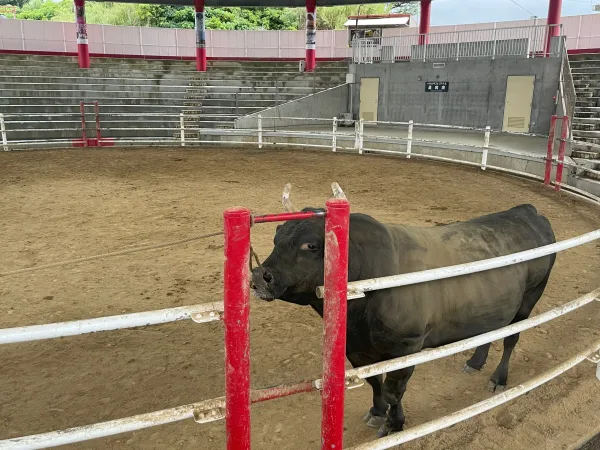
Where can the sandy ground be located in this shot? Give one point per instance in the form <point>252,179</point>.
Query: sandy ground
<point>58,205</point>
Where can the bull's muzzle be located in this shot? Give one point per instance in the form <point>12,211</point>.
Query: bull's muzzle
<point>262,283</point>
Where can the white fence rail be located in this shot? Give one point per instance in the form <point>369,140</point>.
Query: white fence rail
<point>206,312</point>
<point>525,42</point>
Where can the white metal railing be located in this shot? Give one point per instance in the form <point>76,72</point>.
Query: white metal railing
<point>325,133</point>
<point>209,312</point>
<point>526,42</point>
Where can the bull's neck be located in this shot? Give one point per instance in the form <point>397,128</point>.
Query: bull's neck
<point>317,305</point>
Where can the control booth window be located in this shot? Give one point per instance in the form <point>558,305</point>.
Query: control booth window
<point>362,33</point>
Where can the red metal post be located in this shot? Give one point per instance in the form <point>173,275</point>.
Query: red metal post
<point>549,153</point>
<point>237,328</point>
<point>424,21</point>
<point>564,130</point>
<point>200,36</point>
<point>97,113</point>
<point>554,9</point>
<point>311,34</point>
<point>83,53</point>
<point>83,132</point>
<point>337,223</point>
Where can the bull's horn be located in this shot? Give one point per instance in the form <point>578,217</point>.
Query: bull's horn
<point>285,199</point>
<point>337,191</point>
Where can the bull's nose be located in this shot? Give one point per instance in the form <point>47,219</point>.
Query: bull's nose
<point>267,276</point>
<point>261,277</point>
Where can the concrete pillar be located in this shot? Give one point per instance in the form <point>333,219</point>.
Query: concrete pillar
<point>424,21</point>
<point>554,8</point>
<point>200,36</point>
<point>83,53</point>
<point>311,34</point>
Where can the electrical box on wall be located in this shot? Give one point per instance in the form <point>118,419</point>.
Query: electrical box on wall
<point>346,120</point>
<point>350,78</point>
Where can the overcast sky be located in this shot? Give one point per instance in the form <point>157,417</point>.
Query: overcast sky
<point>456,12</point>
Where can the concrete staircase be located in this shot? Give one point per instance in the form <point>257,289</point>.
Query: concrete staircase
<point>40,94</point>
<point>233,89</point>
<point>585,69</point>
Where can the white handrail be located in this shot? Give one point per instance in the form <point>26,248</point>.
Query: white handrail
<point>112,427</point>
<point>478,408</point>
<point>204,312</point>
<point>141,421</point>
<point>358,288</point>
<point>466,344</point>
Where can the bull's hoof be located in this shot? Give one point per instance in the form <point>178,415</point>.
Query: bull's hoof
<point>494,386</point>
<point>374,421</point>
<point>470,370</point>
<point>386,430</point>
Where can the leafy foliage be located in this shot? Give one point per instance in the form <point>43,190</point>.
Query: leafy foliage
<point>167,16</point>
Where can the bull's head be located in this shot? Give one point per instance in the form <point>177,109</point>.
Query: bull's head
<point>294,269</point>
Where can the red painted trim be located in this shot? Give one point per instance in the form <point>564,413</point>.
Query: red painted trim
<point>237,328</point>
<point>550,150</point>
<point>93,142</point>
<point>337,225</point>
<point>424,21</point>
<point>581,51</point>
<point>564,131</point>
<point>177,58</point>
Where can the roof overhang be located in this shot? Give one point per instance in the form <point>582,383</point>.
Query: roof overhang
<point>250,3</point>
<point>388,22</point>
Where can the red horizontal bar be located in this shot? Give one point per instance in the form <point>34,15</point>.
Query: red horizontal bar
<point>284,390</point>
<point>282,217</point>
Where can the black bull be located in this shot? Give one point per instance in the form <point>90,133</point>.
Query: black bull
<point>395,322</point>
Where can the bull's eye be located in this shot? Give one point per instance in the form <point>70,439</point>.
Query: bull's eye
<point>309,246</point>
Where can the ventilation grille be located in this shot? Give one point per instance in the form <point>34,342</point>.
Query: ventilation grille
<point>516,122</point>
<point>368,116</point>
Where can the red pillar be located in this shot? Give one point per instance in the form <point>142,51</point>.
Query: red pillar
<point>554,9</point>
<point>337,223</point>
<point>311,34</point>
<point>424,21</point>
<point>200,36</point>
<point>237,328</point>
<point>83,53</point>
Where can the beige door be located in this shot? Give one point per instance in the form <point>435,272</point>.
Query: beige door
<point>517,106</point>
<point>369,98</point>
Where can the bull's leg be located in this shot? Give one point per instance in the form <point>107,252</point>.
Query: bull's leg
<point>394,388</point>
<point>498,381</point>
<point>376,416</point>
<point>478,359</point>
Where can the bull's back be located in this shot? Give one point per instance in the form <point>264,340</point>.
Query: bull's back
<point>464,306</point>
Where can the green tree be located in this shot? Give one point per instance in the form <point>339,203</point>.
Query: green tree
<point>220,18</point>
<point>407,7</point>
<point>17,3</point>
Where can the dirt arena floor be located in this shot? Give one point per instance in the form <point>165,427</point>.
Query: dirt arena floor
<point>59,205</point>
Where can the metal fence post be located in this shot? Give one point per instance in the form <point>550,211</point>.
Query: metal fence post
<point>83,126</point>
<point>548,171</point>
<point>3,130</point>
<point>561,152</point>
<point>237,328</point>
<point>409,139</point>
<point>361,134</point>
<point>337,223</point>
<point>333,135</point>
<point>97,114</point>
<point>260,131</point>
<point>486,144</point>
<point>182,129</point>
<point>356,135</point>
